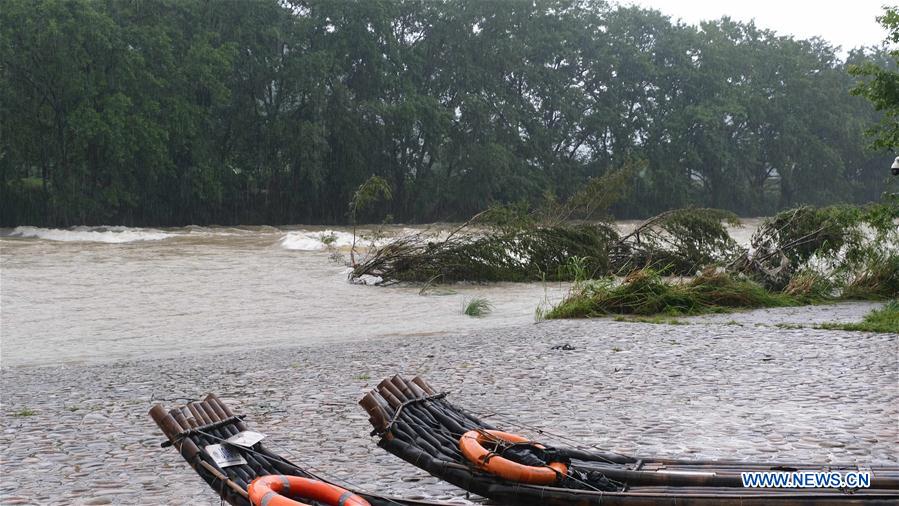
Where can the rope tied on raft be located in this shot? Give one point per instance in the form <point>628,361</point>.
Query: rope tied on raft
<point>529,453</point>
<point>441,417</point>
<point>281,460</point>
<point>201,429</point>
<point>399,410</point>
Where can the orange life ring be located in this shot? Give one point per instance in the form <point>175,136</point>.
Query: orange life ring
<point>472,445</point>
<point>272,490</point>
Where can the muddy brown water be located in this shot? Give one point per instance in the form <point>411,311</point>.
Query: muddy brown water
<point>93,294</point>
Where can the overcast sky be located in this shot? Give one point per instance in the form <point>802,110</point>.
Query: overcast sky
<point>848,24</point>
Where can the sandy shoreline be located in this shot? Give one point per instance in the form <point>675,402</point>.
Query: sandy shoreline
<point>720,387</point>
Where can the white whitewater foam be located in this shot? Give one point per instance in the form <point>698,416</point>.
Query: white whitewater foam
<point>92,234</point>
<point>368,279</point>
<point>317,240</point>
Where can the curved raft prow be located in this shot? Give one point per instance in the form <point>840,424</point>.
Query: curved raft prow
<point>195,427</point>
<point>417,424</point>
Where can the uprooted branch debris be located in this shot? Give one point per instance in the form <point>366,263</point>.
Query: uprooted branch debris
<point>805,253</point>
<point>525,255</point>
<point>838,243</point>
<point>678,242</point>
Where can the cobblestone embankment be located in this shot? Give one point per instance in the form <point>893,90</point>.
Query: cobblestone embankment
<point>721,387</point>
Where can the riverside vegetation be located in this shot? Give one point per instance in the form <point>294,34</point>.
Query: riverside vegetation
<point>681,262</point>
<point>885,319</point>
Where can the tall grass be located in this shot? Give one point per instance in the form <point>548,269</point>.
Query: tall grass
<point>877,279</point>
<point>885,319</point>
<point>477,306</point>
<point>645,292</point>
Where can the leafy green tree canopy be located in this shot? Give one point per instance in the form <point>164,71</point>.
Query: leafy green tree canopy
<point>881,86</point>
<point>172,112</point>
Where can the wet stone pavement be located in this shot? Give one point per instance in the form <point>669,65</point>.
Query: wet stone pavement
<point>722,387</point>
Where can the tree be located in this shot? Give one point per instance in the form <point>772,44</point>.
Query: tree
<point>171,112</point>
<point>881,86</point>
<point>369,192</point>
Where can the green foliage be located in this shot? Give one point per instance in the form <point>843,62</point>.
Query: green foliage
<point>806,231</point>
<point>594,200</point>
<point>163,112</point>
<point>836,242</point>
<point>880,85</point>
<point>645,292</point>
<point>576,270</point>
<point>23,200</point>
<point>805,255</point>
<point>519,249</point>
<point>24,412</point>
<point>681,241</point>
<point>878,278</point>
<point>885,319</point>
<point>371,191</point>
<point>536,254</point>
<point>508,218</point>
<point>718,289</point>
<point>810,285</point>
<point>375,188</point>
<point>328,240</point>
<point>477,306</point>
<point>842,251</point>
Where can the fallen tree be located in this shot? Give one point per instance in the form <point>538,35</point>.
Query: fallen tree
<point>806,254</point>
<point>845,245</point>
<point>678,242</point>
<point>800,256</point>
<point>511,242</point>
<point>523,255</point>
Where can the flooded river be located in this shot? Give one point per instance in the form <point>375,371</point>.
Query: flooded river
<point>105,294</point>
<point>94,294</point>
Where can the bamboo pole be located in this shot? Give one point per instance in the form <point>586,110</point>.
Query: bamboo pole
<point>171,427</point>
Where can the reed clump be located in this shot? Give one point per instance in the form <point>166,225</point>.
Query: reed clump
<point>646,292</point>
<point>477,306</point>
<point>810,285</point>
<point>877,279</point>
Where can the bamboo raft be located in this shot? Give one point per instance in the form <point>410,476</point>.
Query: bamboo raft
<point>417,424</point>
<point>194,426</point>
